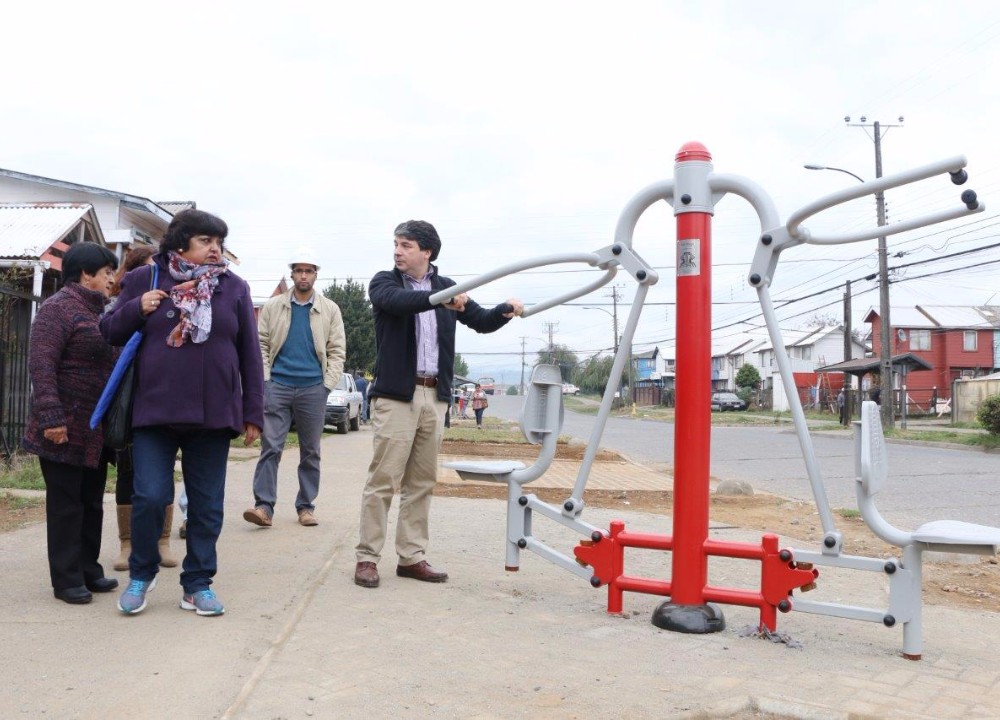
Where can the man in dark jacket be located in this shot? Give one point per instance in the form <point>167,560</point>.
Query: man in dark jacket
<point>415,361</point>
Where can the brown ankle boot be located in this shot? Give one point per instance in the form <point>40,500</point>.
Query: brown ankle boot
<point>167,558</point>
<point>125,536</point>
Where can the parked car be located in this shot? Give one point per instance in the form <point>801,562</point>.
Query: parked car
<point>570,389</point>
<point>727,401</point>
<point>488,385</point>
<point>343,406</point>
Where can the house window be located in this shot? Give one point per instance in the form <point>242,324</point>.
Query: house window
<point>920,339</point>
<point>970,340</point>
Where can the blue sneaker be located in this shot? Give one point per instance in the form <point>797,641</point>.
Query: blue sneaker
<point>203,602</point>
<point>133,600</point>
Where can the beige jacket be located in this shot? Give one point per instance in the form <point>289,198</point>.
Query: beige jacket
<point>327,327</point>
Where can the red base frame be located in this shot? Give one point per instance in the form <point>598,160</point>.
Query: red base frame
<point>780,574</point>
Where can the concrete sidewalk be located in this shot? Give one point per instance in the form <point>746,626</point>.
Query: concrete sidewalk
<point>299,639</point>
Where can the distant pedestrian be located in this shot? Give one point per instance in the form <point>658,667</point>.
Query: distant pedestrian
<point>842,406</point>
<point>479,404</point>
<point>362,385</point>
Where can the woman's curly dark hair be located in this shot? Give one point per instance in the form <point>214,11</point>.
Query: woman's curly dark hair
<point>188,223</point>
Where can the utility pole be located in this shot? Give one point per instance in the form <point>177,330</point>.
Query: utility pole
<point>885,334</point>
<point>551,328</point>
<point>523,340</point>
<point>614,315</point>
<point>848,346</point>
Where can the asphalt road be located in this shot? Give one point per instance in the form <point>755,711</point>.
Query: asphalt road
<point>926,483</point>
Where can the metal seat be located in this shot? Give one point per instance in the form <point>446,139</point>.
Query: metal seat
<point>949,536</point>
<point>541,421</point>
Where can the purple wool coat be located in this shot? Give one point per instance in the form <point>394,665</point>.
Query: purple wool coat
<point>69,363</point>
<point>214,385</point>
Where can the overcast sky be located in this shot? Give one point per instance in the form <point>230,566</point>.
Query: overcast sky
<point>520,129</point>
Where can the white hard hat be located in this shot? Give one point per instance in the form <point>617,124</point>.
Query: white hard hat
<point>303,256</point>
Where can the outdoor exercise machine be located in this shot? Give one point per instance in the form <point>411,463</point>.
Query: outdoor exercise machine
<point>693,193</point>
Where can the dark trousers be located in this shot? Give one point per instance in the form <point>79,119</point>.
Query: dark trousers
<point>74,514</point>
<point>479,415</point>
<point>203,463</point>
<point>123,486</point>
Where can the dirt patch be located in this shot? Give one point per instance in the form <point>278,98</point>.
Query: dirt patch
<point>971,584</point>
<point>16,512</point>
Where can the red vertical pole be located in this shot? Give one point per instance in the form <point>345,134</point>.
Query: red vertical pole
<point>688,610</point>
<point>693,419</point>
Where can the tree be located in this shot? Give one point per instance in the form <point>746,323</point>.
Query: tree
<point>822,320</point>
<point>359,325</point>
<point>561,356</point>
<point>592,376</point>
<point>461,367</point>
<point>747,377</point>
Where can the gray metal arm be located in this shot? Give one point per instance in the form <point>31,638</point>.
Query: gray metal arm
<point>873,187</point>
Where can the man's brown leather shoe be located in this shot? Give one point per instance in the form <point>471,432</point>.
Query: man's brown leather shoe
<point>366,575</point>
<point>421,571</point>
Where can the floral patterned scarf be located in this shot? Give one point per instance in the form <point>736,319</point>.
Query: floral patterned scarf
<point>192,296</point>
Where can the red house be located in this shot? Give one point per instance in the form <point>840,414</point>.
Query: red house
<point>958,341</point>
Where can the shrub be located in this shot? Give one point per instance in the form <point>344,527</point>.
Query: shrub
<point>748,376</point>
<point>512,390</point>
<point>989,414</point>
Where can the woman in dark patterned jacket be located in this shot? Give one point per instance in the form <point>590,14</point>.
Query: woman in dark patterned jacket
<point>69,364</point>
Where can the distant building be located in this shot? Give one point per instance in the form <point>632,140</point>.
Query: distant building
<point>263,290</point>
<point>957,341</point>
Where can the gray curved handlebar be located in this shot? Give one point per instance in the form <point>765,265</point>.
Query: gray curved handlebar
<point>873,187</point>
<point>592,259</point>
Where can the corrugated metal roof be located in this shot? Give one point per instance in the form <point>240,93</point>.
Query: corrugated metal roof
<point>28,229</point>
<point>140,203</point>
<point>909,317</point>
<point>175,206</point>
<point>735,345</point>
<point>954,316</point>
<point>796,338</point>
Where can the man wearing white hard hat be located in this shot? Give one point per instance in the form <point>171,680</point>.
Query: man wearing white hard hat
<point>304,347</point>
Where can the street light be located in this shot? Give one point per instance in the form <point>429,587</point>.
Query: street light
<point>827,167</point>
<point>885,339</point>
<point>614,320</point>
<point>614,327</point>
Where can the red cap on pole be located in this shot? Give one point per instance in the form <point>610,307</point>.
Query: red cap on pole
<point>693,151</point>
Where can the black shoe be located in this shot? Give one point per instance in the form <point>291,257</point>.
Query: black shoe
<point>75,595</point>
<point>104,584</point>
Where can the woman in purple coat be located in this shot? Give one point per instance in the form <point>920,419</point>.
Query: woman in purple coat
<point>70,363</point>
<point>199,384</point>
